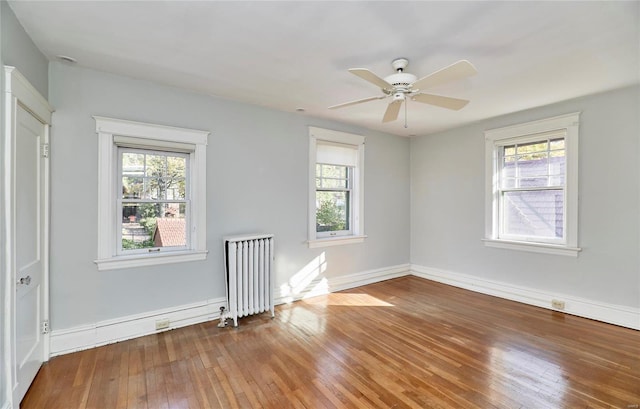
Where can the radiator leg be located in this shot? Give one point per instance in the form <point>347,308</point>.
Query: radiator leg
<point>223,319</point>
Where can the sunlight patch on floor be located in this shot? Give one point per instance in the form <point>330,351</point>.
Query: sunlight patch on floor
<point>309,284</point>
<point>515,370</point>
<point>349,299</point>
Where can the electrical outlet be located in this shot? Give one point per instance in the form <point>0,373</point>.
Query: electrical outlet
<point>162,324</point>
<point>557,304</point>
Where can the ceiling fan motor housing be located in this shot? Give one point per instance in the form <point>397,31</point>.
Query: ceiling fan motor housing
<point>401,79</point>
<point>402,85</point>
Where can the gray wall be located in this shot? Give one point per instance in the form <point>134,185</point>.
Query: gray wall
<point>19,51</point>
<point>16,49</point>
<point>447,204</point>
<point>256,182</point>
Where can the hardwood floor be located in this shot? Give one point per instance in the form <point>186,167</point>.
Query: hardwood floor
<point>403,343</point>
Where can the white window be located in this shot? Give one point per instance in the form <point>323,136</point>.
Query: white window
<point>155,205</point>
<point>151,194</point>
<point>532,186</point>
<point>335,188</point>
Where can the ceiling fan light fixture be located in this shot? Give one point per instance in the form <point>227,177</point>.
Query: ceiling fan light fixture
<point>399,96</point>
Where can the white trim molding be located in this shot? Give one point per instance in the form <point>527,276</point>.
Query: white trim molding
<point>18,86</point>
<point>566,125</point>
<point>623,316</point>
<point>109,331</point>
<point>356,233</point>
<point>533,247</point>
<point>123,328</point>
<point>110,131</point>
<point>321,285</point>
<point>336,241</point>
<point>119,329</point>
<point>19,93</point>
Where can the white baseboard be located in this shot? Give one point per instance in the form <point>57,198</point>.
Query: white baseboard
<point>322,285</point>
<point>106,332</point>
<point>132,326</point>
<point>120,329</point>
<point>610,313</point>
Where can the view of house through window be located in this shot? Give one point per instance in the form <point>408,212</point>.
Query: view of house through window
<point>333,198</point>
<point>532,181</point>
<point>154,202</point>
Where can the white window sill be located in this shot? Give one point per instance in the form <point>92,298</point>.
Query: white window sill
<point>533,247</point>
<point>335,241</point>
<point>142,260</point>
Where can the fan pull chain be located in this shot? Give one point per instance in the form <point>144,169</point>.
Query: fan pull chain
<point>405,113</point>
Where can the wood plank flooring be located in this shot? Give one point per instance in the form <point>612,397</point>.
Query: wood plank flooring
<point>403,343</point>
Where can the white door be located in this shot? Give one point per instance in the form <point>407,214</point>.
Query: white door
<point>29,250</point>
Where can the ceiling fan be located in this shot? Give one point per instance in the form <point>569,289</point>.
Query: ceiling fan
<point>402,85</point>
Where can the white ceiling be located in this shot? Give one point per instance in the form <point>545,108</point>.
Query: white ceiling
<point>288,55</point>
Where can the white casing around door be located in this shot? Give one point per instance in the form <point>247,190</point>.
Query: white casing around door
<point>26,217</point>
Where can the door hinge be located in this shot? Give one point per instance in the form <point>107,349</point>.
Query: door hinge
<point>45,150</point>
<point>45,326</point>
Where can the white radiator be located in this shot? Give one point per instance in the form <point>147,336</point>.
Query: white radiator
<point>249,273</point>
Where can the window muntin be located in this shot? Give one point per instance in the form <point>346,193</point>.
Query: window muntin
<point>533,166</point>
<point>117,134</point>
<point>531,189</point>
<point>154,201</point>
<point>336,188</point>
<point>333,200</point>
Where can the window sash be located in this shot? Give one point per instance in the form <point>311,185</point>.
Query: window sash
<point>355,145</point>
<point>538,238</point>
<point>550,170</point>
<point>517,177</point>
<point>348,191</point>
<point>347,179</point>
<point>565,126</point>
<point>120,200</point>
<point>148,136</point>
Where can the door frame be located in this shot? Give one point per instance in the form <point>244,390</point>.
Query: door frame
<point>19,92</point>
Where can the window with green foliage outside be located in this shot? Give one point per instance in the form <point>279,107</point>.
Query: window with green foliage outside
<point>154,202</point>
<point>336,194</point>
<point>333,198</point>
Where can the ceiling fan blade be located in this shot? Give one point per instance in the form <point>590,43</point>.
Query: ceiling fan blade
<point>367,75</point>
<point>391,113</point>
<point>358,101</point>
<point>455,71</point>
<point>438,100</point>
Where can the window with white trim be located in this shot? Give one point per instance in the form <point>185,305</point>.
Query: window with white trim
<point>151,194</point>
<point>155,204</point>
<point>336,188</point>
<point>532,186</point>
